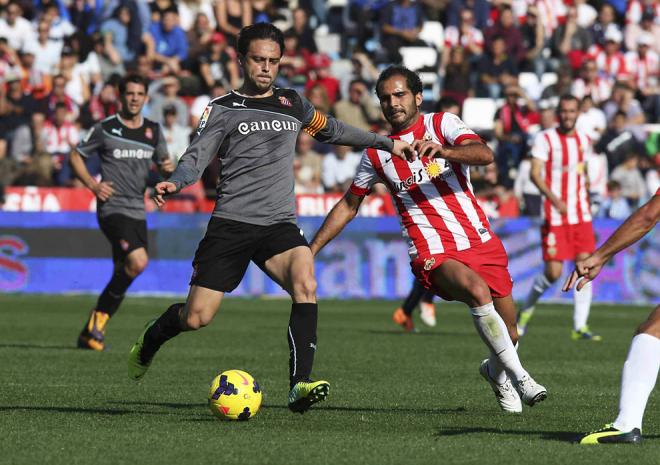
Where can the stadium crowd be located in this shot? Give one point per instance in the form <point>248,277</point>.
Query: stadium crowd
<point>502,63</point>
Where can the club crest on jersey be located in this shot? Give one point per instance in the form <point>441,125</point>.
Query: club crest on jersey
<point>427,137</point>
<point>204,119</point>
<point>285,101</point>
<point>148,133</point>
<point>428,263</point>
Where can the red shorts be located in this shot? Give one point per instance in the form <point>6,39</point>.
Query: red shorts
<point>489,260</point>
<point>567,241</point>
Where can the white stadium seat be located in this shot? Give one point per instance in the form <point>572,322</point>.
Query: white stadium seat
<point>415,58</point>
<point>479,113</point>
<point>433,33</point>
<point>530,84</point>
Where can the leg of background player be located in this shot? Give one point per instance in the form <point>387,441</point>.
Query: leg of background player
<point>403,315</point>
<point>551,273</point>
<point>294,271</point>
<point>427,308</point>
<point>582,303</point>
<point>124,273</point>
<point>640,372</point>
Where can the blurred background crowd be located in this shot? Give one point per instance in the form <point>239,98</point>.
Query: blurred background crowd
<point>500,64</point>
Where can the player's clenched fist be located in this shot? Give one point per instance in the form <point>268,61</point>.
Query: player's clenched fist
<point>162,189</point>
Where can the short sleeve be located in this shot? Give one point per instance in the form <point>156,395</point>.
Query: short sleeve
<point>160,153</point>
<point>365,177</point>
<point>92,142</point>
<point>454,130</point>
<point>540,148</point>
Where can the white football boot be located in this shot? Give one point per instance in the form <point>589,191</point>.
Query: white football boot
<point>530,391</point>
<point>427,313</point>
<point>506,395</point>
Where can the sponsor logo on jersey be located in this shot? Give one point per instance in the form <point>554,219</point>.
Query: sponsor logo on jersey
<point>285,101</point>
<point>148,133</point>
<point>116,131</point>
<point>139,154</point>
<point>203,120</point>
<point>416,178</point>
<point>246,127</point>
<point>433,169</point>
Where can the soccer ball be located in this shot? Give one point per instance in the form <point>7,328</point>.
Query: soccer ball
<point>234,395</point>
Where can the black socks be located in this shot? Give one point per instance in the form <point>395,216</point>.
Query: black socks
<point>301,335</point>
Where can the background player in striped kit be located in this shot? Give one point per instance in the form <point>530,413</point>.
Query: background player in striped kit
<point>127,145</point>
<point>559,170</point>
<point>452,248</point>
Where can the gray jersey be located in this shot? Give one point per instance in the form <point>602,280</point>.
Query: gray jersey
<point>126,158</point>
<point>255,140</point>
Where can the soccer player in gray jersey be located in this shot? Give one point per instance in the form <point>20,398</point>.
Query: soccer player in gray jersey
<point>128,145</point>
<point>253,132</point>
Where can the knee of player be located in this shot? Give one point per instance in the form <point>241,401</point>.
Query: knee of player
<point>553,275</point>
<point>652,325</point>
<point>137,266</point>
<point>305,288</point>
<point>479,291</point>
<point>196,321</point>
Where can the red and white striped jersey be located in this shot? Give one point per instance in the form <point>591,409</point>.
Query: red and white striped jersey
<point>599,90</point>
<point>643,70</point>
<point>60,140</point>
<point>635,10</point>
<point>565,160</point>
<point>610,66</point>
<point>434,197</point>
<point>551,12</point>
<point>454,38</point>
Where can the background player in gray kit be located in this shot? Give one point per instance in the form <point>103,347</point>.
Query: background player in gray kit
<point>253,131</point>
<point>127,144</point>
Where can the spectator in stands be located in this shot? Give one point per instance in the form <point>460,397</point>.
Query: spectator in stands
<point>319,66</point>
<point>400,23</point>
<point>589,83</point>
<point>302,30</point>
<point>307,166</point>
<point>449,105</point>
<point>17,30</point>
<point>359,109</point>
<point>265,11</point>
<point>623,100</point>
<point>219,64</point>
<point>339,168</point>
<point>606,18</point>
<point>16,110</point>
<point>115,33</point>
<point>591,120</point>
<point>615,206</point>
<point>617,141</point>
<point>627,174</point>
<point>293,64</point>
<point>199,104</point>
<point>58,138</point>
<point>168,97</point>
<point>318,96</point>
<point>80,77</point>
<point>232,16</point>
<point>480,10</point>
<point>465,35</point>
<point>653,175</point>
<point>159,8</point>
<point>496,70</point>
<point>176,136</point>
<point>533,41</point>
<point>33,81</point>
<point>647,25</point>
<point>609,59</point>
<point>506,28</point>
<point>512,123</point>
<point>60,26</point>
<point>57,95</point>
<point>100,106</point>
<point>199,40</point>
<point>363,68</point>
<point>171,45</point>
<point>46,51</point>
<point>643,66</point>
<point>458,80</point>
<point>561,87</point>
<point>570,41</point>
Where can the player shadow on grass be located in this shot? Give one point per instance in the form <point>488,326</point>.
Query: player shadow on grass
<point>93,411</point>
<point>561,436</point>
<point>18,345</point>
<point>398,332</point>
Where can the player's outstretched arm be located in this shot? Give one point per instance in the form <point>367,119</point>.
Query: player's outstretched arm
<point>103,190</point>
<point>632,230</point>
<point>468,151</point>
<point>340,215</point>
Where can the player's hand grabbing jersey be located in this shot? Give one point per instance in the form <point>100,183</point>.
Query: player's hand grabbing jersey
<point>565,160</point>
<point>255,141</point>
<point>126,158</point>
<point>434,197</point>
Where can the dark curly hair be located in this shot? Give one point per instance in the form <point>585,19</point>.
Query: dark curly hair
<point>412,79</point>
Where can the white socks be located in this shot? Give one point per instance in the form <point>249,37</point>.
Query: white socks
<point>496,369</point>
<point>637,381</point>
<point>582,302</point>
<point>493,332</point>
<point>541,284</point>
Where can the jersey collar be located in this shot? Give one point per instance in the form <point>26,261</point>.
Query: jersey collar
<point>415,128</point>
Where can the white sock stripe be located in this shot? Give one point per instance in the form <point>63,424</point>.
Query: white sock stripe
<point>295,357</point>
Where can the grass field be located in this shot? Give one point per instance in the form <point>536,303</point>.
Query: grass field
<point>395,398</point>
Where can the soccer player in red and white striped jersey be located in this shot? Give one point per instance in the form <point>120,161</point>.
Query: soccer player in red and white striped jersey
<point>452,248</point>
<point>559,170</point>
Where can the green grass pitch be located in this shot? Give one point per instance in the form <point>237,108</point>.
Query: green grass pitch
<point>395,398</point>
